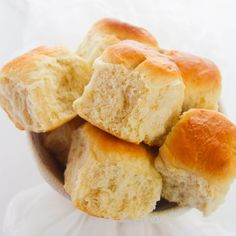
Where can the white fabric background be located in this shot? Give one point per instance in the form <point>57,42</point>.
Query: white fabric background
<point>26,216</point>
<point>206,28</point>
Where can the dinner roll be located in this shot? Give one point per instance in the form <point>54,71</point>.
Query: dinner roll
<point>135,93</point>
<point>110,31</point>
<point>110,178</point>
<point>198,160</point>
<point>37,89</point>
<point>58,141</point>
<point>202,80</point>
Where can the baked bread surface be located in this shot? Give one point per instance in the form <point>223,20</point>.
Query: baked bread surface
<point>110,178</point>
<point>202,80</point>
<point>107,32</point>
<point>58,141</point>
<point>135,93</point>
<point>38,88</point>
<point>198,160</point>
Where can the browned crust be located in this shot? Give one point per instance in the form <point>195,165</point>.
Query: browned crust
<point>27,60</point>
<point>132,53</point>
<point>109,143</point>
<point>196,71</point>
<point>125,31</point>
<point>203,141</point>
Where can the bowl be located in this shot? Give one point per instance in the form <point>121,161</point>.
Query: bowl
<point>53,173</point>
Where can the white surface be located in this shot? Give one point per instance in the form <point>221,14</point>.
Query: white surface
<point>206,28</point>
<point>61,221</point>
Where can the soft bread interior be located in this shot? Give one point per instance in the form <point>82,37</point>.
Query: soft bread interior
<point>188,189</point>
<point>124,103</point>
<point>110,184</point>
<point>201,99</point>
<point>58,141</point>
<point>40,99</point>
<point>94,45</point>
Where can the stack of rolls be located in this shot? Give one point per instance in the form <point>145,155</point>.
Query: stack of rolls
<point>131,123</point>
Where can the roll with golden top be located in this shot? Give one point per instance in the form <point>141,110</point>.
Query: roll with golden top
<point>107,32</point>
<point>111,178</point>
<point>202,80</point>
<point>38,88</point>
<point>135,93</point>
<point>198,160</point>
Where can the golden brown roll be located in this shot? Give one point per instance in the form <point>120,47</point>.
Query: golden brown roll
<point>107,32</point>
<point>58,141</point>
<point>110,178</point>
<point>135,93</point>
<point>198,160</point>
<point>37,89</point>
<point>202,80</point>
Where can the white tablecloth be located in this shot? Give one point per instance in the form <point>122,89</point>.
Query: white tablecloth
<point>206,28</point>
<point>42,212</point>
